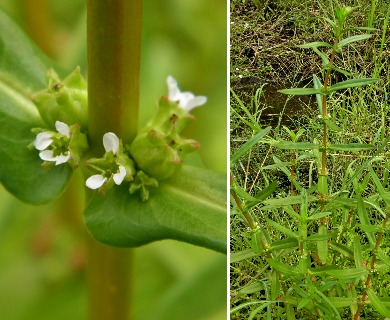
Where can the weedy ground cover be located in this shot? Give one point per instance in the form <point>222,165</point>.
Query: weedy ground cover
<point>310,197</point>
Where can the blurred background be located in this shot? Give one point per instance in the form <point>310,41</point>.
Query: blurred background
<point>42,258</point>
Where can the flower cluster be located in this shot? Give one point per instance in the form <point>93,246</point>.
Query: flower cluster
<point>155,153</point>
<point>68,144</point>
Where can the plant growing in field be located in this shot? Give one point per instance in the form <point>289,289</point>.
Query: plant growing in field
<point>329,257</point>
<point>138,184</point>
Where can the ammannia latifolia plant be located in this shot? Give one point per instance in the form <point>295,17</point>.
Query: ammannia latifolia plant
<point>326,261</point>
<point>144,189</point>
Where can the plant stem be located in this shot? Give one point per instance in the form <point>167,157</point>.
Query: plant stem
<point>238,203</point>
<point>108,281</point>
<point>114,53</point>
<point>114,50</point>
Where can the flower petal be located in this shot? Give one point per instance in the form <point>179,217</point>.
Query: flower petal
<point>111,142</point>
<point>118,177</point>
<point>195,102</point>
<point>185,97</point>
<point>173,89</point>
<point>62,158</point>
<point>95,181</point>
<point>43,140</point>
<point>47,155</point>
<point>63,128</point>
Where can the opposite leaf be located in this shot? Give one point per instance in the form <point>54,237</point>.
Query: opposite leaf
<point>22,71</point>
<point>190,206</point>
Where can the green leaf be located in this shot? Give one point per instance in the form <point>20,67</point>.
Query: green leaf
<point>249,145</point>
<point>344,250</point>
<point>262,195</point>
<point>300,91</point>
<point>287,145</point>
<point>23,71</point>
<point>318,85</point>
<point>352,83</point>
<point>241,255</point>
<point>347,274</point>
<point>357,252</point>
<point>364,218</point>
<point>190,206</point>
<point>352,39</point>
<point>284,268</point>
<point>282,229</point>
<point>331,125</point>
<point>287,201</point>
<point>322,245</point>
<point>351,147</point>
<point>275,284</point>
<point>256,243</point>
<point>315,44</point>
<point>252,288</point>
<point>283,244</point>
<point>377,303</point>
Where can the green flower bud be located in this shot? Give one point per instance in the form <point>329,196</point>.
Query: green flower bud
<point>158,149</point>
<point>64,101</point>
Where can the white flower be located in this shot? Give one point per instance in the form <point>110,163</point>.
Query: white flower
<point>111,144</point>
<point>97,180</point>
<point>187,100</point>
<point>45,140</point>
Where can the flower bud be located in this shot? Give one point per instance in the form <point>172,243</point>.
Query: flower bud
<point>158,149</point>
<point>64,101</point>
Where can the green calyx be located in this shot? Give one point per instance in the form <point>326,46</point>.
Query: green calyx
<point>158,149</point>
<point>65,101</point>
<point>142,183</point>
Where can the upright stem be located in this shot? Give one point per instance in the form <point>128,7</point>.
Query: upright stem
<point>114,50</point>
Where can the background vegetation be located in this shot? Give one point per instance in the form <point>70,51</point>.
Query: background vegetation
<point>42,260</point>
<point>264,59</point>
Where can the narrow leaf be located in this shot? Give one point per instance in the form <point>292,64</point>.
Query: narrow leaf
<point>364,218</point>
<point>351,147</point>
<point>347,274</point>
<point>284,268</point>
<point>352,83</point>
<point>241,255</point>
<point>357,252</point>
<point>318,86</point>
<point>315,44</point>
<point>300,91</point>
<point>331,125</point>
<point>249,145</point>
<point>344,250</point>
<point>282,229</point>
<point>283,244</point>
<point>287,145</point>
<point>352,39</point>
<point>377,303</point>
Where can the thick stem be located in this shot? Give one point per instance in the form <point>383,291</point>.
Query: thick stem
<point>114,50</point>
<point>108,281</point>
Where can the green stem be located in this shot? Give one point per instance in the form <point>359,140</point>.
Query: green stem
<point>114,53</point>
<point>108,281</point>
<point>114,50</point>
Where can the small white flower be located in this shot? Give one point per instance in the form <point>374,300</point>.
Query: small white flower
<point>96,181</point>
<point>187,100</point>
<point>45,140</point>
<point>111,144</point>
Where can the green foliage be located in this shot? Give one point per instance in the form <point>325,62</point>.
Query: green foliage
<point>182,208</point>
<point>23,70</point>
<point>329,209</point>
